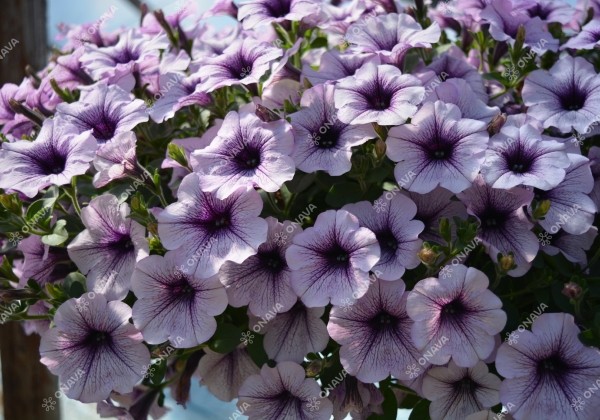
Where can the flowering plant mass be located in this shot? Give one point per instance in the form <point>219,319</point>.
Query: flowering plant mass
<point>323,209</point>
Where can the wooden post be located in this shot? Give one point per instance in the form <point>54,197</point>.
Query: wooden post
<point>25,381</point>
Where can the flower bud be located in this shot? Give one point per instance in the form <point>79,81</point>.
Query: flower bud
<point>571,290</point>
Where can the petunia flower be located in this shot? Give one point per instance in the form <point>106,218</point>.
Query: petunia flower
<point>173,304</point>
<point>224,374</point>
<point>573,247</point>
<point>378,93</point>
<point>548,10</point>
<point>247,152</point>
<point>330,261</point>
<point>116,159</point>
<point>504,20</point>
<point>291,335</point>
<point>244,62</point>
<point>375,334</point>
<point>452,65</point>
<point>257,13</point>
<point>41,262</point>
<point>520,155</point>
<point>391,220</point>
<point>587,39</point>
<point>94,349</point>
<point>503,226</point>
<point>58,154</point>
<point>455,392</point>
<point>391,35</point>
<point>263,281</point>
<point>431,207</point>
<point>134,53</point>
<point>283,392</point>
<point>106,110</point>
<point>209,231</point>
<point>459,92</point>
<point>548,370</point>
<point>321,140</point>
<point>355,398</point>
<point>108,249</point>
<point>460,312</point>
<point>566,97</point>
<point>176,92</point>
<point>336,65</point>
<point>439,147</point>
<point>571,208</point>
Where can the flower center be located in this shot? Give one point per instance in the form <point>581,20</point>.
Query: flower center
<point>183,289</point>
<point>454,309</point>
<point>383,321</point>
<point>439,149</point>
<point>573,99</point>
<point>123,244</point>
<point>338,256</point>
<point>379,97</point>
<point>248,158</point>
<point>272,261</point>
<point>278,8</point>
<point>553,365</point>
<point>387,240</point>
<point>104,129</point>
<point>53,164</point>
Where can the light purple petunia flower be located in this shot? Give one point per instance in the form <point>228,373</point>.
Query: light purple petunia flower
<point>455,392</point>
<point>58,154</point>
<point>452,65</point>
<point>108,249</point>
<point>224,374</point>
<point>12,123</point>
<point>247,152</point>
<point>283,392</point>
<point>378,93</point>
<point>547,10</point>
<point>459,312</point>
<point>331,260</point>
<point>107,110</point>
<point>175,305</point>
<point>587,39</point>
<point>255,13</point>
<point>355,398</point>
<point>459,92</point>
<point>571,208</point>
<point>133,54</point>
<point>263,281</point>
<point>244,62</point>
<point>439,147</point>
<point>520,155</point>
<point>566,97</point>
<point>431,207</point>
<point>505,19</point>
<point>573,247</point>
<point>391,35</point>
<point>548,370</point>
<point>503,227</point>
<point>293,334</point>
<point>175,92</point>
<point>336,65</point>
<point>94,349</point>
<point>391,220</point>
<point>41,262</point>
<point>209,231</point>
<point>116,159</point>
<point>321,140</point>
<point>375,334</point>
<point>594,157</point>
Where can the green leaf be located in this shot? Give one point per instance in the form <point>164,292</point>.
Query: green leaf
<point>421,411</point>
<point>226,339</point>
<point>257,351</point>
<point>319,43</point>
<point>58,236</point>
<point>345,193</point>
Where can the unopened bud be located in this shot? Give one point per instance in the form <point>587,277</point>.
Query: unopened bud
<point>571,290</point>
<point>428,256</point>
<point>314,368</point>
<point>506,262</point>
<point>496,124</point>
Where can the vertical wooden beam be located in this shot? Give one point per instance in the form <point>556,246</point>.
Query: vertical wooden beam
<point>25,381</point>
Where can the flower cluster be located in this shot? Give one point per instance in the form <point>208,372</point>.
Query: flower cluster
<point>329,208</point>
